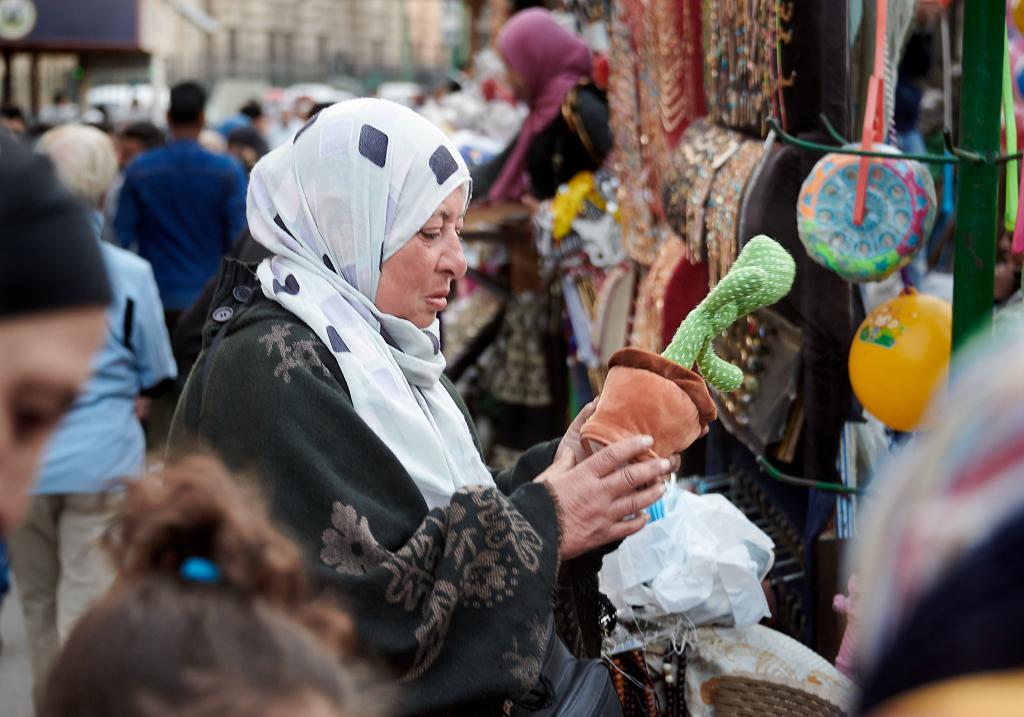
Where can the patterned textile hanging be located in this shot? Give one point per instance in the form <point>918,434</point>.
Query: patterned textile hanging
<point>655,91</point>
<point>676,39</point>
<point>630,160</point>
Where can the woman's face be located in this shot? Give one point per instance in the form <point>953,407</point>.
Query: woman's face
<point>416,280</point>
<point>45,359</point>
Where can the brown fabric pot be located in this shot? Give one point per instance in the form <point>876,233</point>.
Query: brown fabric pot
<point>647,394</point>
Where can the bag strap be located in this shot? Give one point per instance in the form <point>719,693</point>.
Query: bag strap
<point>128,323</point>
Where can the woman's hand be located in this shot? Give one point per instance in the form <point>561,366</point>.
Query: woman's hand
<point>571,440</point>
<point>596,495</point>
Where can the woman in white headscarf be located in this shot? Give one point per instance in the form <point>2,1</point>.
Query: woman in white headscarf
<point>322,373</point>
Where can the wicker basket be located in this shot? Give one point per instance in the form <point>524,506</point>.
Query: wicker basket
<point>744,695</point>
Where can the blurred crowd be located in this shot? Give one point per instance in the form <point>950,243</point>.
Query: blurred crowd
<point>111,235</point>
<point>115,234</point>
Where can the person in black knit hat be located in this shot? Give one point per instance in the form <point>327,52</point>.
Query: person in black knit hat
<point>53,295</point>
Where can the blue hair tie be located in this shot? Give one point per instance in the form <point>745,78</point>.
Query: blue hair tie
<point>199,570</point>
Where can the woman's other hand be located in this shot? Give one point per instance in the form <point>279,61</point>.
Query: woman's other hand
<point>571,440</point>
<point>597,495</point>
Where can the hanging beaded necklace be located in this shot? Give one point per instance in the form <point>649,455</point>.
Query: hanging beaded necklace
<point>742,59</point>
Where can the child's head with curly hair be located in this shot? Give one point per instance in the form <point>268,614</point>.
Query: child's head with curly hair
<point>211,614</point>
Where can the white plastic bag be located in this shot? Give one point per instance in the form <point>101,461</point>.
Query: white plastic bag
<point>704,559</point>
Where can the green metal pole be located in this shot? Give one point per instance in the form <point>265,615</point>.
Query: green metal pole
<point>977,219</point>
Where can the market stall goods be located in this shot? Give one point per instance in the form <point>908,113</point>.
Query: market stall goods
<point>762,275</point>
<point>899,212</point>
<point>578,237</point>
<point>631,157</point>
<point>714,671</point>
<point>900,356</point>
<point>742,44</point>
<point>660,395</point>
<point>650,299</point>
<point>724,203</point>
<point>756,670</point>
<point>645,393</point>
<point>612,310</point>
<point>701,153</point>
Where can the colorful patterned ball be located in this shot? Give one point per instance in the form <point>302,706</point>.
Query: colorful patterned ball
<point>900,357</point>
<point>1017,12</point>
<point>899,212</point>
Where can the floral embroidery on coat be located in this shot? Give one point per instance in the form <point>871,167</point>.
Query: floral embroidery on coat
<point>349,546</point>
<point>300,353</point>
<point>472,552</point>
<point>524,661</point>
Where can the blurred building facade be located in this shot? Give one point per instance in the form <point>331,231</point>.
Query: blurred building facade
<point>289,41</point>
<point>224,42</point>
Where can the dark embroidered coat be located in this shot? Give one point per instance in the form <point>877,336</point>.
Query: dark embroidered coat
<point>455,600</point>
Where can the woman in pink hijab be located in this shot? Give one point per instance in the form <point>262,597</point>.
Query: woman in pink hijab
<point>567,130</point>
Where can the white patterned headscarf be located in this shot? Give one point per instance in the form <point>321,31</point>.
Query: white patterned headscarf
<point>357,182</point>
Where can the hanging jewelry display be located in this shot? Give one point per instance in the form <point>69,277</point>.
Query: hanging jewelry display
<point>774,38</point>
<point>742,60</point>
<point>655,91</point>
<point>665,36</point>
<point>723,208</point>
<point>630,160</point>
<point>676,39</point>
<point>649,95</point>
<point>767,347</point>
<point>696,200</point>
<point>634,684</point>
<point>650,301</point>
<point>702,150</point>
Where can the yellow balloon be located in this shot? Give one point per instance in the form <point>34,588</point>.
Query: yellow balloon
<point>900,356</point>
<point>1018,14</point>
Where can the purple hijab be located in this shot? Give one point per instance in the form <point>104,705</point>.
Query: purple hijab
<point>550,60</point>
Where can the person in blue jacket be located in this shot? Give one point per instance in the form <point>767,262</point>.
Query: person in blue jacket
<point>181,207</point>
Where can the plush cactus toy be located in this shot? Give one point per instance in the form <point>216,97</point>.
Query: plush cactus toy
<point>762,274</point>
<point>660,396</point>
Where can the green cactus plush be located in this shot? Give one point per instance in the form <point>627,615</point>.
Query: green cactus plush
<point>762,274</point>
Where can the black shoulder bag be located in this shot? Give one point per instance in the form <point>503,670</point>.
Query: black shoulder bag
<point>574,687</point>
